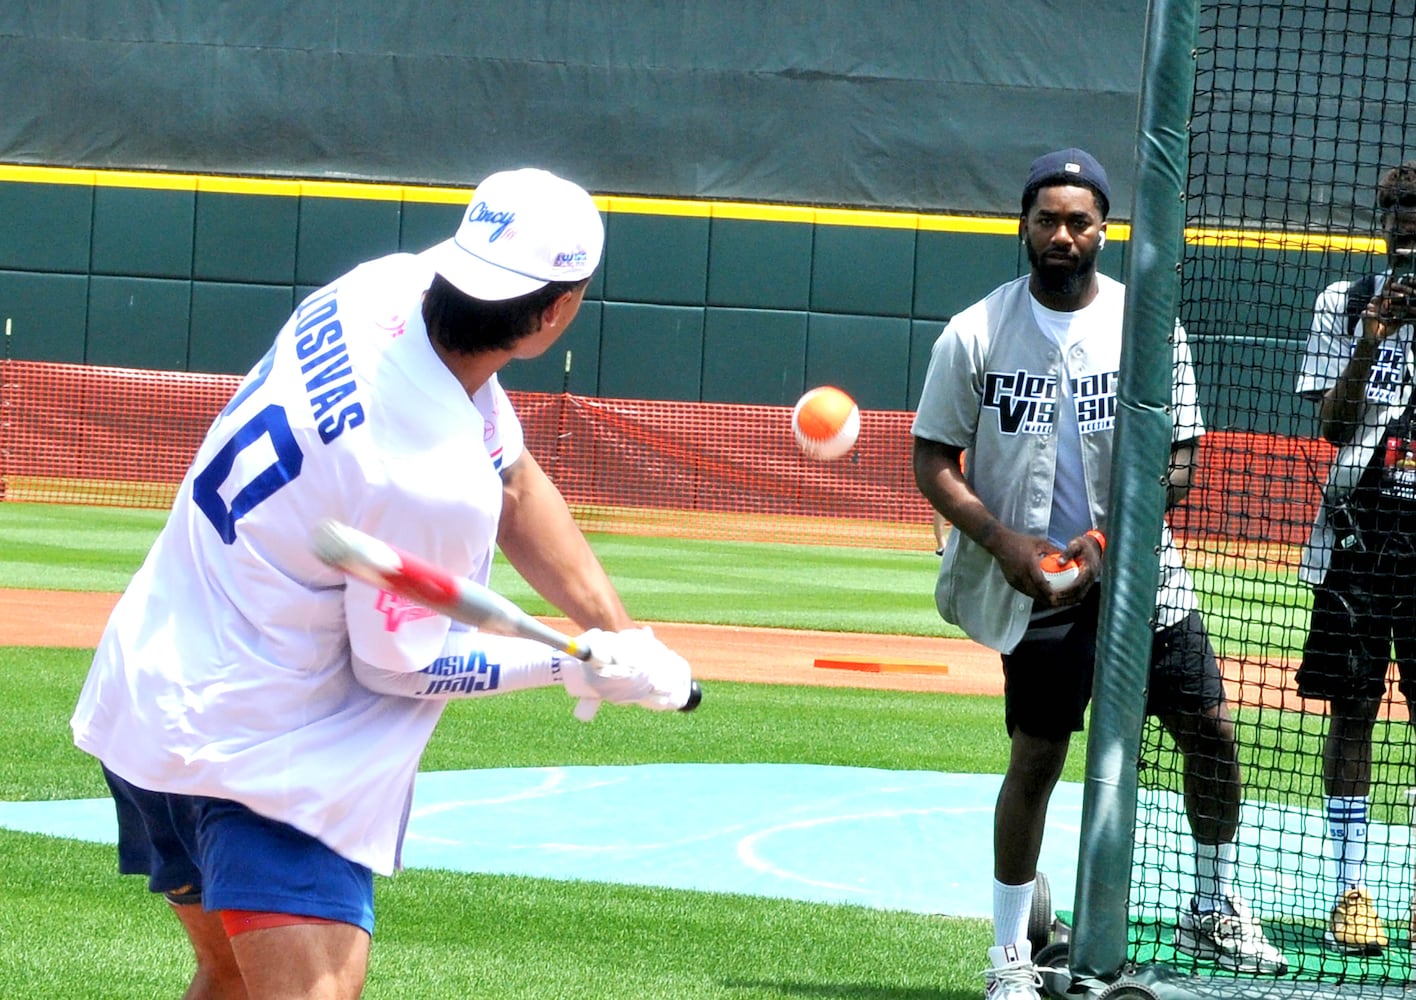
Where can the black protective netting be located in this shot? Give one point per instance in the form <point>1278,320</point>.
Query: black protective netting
<point>1300,106</point>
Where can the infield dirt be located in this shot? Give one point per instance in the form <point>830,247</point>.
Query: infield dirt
<point>724,653</point>
<point>717,652</point>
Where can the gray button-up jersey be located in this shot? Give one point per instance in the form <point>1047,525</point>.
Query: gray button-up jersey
<point>990,390</point>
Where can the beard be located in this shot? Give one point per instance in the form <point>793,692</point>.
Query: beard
<point>1055,277</point>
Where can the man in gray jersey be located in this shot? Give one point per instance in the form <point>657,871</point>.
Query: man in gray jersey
<point>1021,393</point>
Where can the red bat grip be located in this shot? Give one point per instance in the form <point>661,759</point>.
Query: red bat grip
<point>428,582</point>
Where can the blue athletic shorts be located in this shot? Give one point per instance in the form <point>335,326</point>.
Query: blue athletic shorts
<point>235,859</point>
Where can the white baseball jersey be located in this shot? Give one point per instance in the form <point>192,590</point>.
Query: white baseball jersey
<point>225,669</point>
<point>991,389</point>
<point>1388,390</point>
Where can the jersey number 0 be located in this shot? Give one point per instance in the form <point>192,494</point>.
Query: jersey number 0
<point>272,423</point>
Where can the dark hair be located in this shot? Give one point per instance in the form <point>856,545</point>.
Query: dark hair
<point>1397,185</point>
<point>458,322</point>
<point>1030,195</point>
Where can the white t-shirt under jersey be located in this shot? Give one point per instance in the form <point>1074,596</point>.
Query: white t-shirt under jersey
<point>225,667</point>
<point>1071,515</point>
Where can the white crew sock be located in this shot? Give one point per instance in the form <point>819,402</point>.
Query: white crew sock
<point>1214,875</point>
<point>1012,911</point>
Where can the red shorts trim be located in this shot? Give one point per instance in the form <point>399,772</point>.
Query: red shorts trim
<point>241,921</point>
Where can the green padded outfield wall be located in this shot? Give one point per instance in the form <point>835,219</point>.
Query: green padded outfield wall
<point>695,300</point>
<point>713,301</point>
<point>911,104</point>
<point>796,191</point>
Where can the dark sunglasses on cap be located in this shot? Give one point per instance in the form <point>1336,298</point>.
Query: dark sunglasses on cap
<point>1407,199</point>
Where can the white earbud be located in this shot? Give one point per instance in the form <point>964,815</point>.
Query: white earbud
<point>1101,239</point>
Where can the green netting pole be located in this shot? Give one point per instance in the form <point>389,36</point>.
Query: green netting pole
<point>1098,948</point>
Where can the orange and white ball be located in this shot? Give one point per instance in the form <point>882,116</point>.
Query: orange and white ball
<point>1059,574</point>
<point>826,423</point>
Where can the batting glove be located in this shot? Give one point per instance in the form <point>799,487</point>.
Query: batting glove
<point>630,668</point>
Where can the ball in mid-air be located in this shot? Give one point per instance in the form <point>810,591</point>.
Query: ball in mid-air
<point>826,423</point>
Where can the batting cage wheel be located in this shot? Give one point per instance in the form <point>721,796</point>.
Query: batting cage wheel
<point>1051,965</point>
<point>1126,989</point>
<point>1040,919</point>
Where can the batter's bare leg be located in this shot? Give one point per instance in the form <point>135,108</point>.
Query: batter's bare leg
<point>304,961</point>
<point>218,977</point>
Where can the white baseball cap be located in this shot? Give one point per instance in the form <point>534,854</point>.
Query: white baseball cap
<point>523,229</point>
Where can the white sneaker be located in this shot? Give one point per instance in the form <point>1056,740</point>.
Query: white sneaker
<point>1013,976</point>
<point>1230,937</point>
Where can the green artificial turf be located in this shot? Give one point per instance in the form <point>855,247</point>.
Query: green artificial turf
<point>53,547</point>
<point>73,928</point>
<point>70,927</point>
<point>1259,613</point>
<point>56,547</point>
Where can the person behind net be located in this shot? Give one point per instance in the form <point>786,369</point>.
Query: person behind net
<point>1020,391</point>
<point>1360,558</point>
<point>259,717</point>
<point>940,525</point>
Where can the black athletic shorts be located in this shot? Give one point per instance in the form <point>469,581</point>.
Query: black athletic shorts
<point>1364,616</point>
<point>1047,678</point>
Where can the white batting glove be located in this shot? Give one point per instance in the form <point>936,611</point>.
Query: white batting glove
<point>670,678</point>
<point>601,677</point>
<point>630,668</point>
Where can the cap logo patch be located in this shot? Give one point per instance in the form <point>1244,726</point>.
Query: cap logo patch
<point>1073,168</point>
<point>522,229</point>
<point>479,212</point>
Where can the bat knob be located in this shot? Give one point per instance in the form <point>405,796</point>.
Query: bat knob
<point>695,695</point>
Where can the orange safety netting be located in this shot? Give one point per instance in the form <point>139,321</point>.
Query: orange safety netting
<point>124,437</point>
<point>1255,496</point>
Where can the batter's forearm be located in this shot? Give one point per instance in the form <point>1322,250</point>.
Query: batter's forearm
<point>566,572</point>
<point>471,665</point>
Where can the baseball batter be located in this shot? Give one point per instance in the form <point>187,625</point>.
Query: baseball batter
<point>258,716</point>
